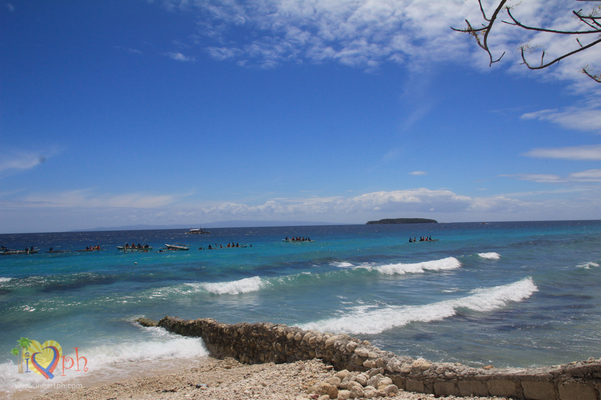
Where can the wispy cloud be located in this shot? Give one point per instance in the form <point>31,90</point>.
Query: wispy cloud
<point>585,119</point>
<point>417,173</point>
<point>180,57</point>
<point>592,153</point>
<point>87,198</point>
<point>590,175</point>
<point>20,160</point>
<point>10,7</point>
<point>539,178</point>
<point>129,50</point>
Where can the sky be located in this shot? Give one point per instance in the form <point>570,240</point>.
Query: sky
<point>118,113</point>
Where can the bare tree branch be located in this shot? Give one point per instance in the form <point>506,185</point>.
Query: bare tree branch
<point>595,77</point>
<point>531,28</point>
<point>486,29</point>
<point>592,22</point>
<point>545,65</point>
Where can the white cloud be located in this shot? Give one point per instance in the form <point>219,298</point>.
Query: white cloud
<point>417,173</point>
<point>86,198</point>
<point>180,57</point>
<point>592,153</point>
<point>585,119</point>
<point>401,201</point>
<point>129,50</point>
<point>591,175</point>
<point>359,33</point>
<point>20,160</point>
<point>366,33</point>
<point>10,7</point>
<point>84,209</point>
<point>222,53</point>
<point>539,178</point>
<point>422,200</point>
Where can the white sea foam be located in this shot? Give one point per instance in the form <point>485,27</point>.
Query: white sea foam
<point>587,265</point>
<point>163,345</point>
<point>245,285</point>
<point>5,279</point>
<point>448,263</point>
<point>367,319</point>
<point>342,264</point>
<point>161,351</point>
<point>490,256</point>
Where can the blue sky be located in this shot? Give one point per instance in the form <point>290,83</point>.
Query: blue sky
<point>117,113</point>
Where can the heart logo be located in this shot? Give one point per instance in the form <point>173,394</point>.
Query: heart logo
<point>44,357</point>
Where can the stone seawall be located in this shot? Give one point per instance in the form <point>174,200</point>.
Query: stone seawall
<point>265,342</point>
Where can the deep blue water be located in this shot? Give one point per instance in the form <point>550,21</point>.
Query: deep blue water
<point>508,294</point>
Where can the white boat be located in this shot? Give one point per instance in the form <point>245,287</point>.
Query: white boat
<point>177,246</point>
<point>197,231</point>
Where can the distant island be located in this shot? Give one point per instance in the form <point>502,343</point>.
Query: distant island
<point>403,221</point>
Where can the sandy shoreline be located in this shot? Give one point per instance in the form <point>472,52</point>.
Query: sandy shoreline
<point>210,378</point>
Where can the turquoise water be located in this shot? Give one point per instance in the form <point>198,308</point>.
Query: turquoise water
<point>507,294</point>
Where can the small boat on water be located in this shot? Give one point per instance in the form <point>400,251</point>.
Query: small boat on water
<point>177,246</point>
<point>9,252</point>
<point>197,231</point>
<point>134,247</point>
<point>297,240</point>
<point>91,248</point>
<point>422,241</point>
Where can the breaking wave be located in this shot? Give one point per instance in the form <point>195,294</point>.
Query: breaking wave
<point>490,256</point>
<point>245,285</point>
<point>587,265</point>
<point>448,263</point>
<point>368,319</point>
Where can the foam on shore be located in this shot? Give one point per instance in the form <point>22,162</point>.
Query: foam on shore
<point>162,352</point>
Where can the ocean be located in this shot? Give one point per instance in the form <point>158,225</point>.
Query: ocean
<point>511,294</point>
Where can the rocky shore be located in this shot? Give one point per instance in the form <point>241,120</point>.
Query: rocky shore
<point>229,379</point>
<point>366,371</point>
<point>269,361</point>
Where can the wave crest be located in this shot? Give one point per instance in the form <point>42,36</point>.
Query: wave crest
<point>490,256</point>
<point>448,263</point>
<point>245,285</point>
<point>587,265</point>
<point>374,319</point>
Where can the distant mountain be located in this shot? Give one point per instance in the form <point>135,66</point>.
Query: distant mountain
<point>403,221</point>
